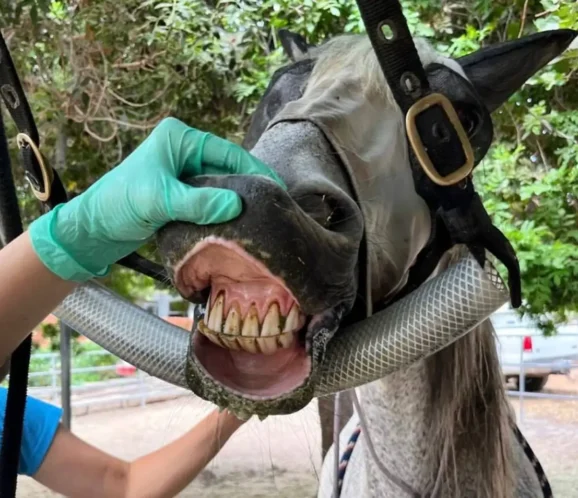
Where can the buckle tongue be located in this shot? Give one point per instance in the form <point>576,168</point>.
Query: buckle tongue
<point>420,149</point>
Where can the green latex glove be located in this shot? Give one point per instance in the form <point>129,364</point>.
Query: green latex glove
<point>82,238</point>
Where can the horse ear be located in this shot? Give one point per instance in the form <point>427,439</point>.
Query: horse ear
<point>499,70</point>
<point>294,45</point>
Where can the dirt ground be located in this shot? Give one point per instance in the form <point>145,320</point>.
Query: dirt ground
<point>280,456</point>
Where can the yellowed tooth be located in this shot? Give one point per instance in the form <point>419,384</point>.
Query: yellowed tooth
<point>251,323</point>
<point>216,318</point>
<point>209,334</point>
<point>208,310</point>
<point>267,345</point>
<point>233,322</point>
<point>292,321</point>
<point>285,340</point>
<point>230,342</point>
<point>249,344</point>
<point>271,325</point>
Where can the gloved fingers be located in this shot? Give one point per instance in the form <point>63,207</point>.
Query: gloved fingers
<point>233,159</point>
<point>202,205</point>
<point>191,150</point>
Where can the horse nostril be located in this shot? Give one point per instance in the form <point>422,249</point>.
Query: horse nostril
<point>323,208</point>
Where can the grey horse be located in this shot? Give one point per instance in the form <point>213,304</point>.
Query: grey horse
<point>279,281</point>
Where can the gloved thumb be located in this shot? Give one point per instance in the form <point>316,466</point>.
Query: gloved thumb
<point>202,205</point>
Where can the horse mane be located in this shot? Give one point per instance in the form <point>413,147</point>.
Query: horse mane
<point>470,412</point>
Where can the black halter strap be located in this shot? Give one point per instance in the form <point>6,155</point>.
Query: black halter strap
<point>48,188</point>
<point>440,153</point>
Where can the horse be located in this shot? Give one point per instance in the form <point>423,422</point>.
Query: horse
<point>281,280</point>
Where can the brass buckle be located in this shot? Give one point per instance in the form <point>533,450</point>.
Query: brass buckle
<point>418,146</point>
<point>23,140</point>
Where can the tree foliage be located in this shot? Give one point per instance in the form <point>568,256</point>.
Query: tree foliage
<point>100,74</point>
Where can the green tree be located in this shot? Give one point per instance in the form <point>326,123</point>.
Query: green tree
<point>100,74</point>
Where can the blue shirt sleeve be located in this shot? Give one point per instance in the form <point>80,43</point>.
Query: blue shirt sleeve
<point>40,424</point>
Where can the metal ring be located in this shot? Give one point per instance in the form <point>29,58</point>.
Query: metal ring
<point>23,140</point>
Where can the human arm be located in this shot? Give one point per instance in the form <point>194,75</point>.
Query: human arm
<point>82,238</point>
<point>28,292</point>
<point>74,468</point>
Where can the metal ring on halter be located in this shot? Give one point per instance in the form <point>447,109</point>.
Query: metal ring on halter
<point>23,140</point>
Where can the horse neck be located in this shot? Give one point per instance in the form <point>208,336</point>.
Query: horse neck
<point>397,424</point>
<point>443,420</point>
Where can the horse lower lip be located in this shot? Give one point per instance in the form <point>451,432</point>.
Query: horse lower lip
<point>255,375</point>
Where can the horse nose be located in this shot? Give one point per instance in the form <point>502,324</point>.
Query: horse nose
<point>285,234</point>
<point>318,201</point>
<point>328,206</point>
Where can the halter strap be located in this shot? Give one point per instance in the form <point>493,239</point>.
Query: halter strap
<point>440,152</point>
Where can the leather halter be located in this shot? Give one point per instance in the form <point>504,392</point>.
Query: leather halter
<point>447,128</point>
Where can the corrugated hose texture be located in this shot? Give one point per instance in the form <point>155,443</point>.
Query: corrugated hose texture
<point>127,331</point>
<point>425,321</point>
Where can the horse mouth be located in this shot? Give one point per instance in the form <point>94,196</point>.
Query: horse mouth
<point>250,338</point>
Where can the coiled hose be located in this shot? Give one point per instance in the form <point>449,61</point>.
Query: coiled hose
<point>427,320</point>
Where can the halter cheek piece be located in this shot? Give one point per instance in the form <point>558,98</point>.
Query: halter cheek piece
<point>449,131</point>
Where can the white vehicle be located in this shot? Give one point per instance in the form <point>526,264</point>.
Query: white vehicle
<point>519,341</point>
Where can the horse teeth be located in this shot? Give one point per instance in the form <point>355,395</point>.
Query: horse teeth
<point>267,345</point>
<point>286,340</point>
<point>232,332</point>
<point>216,316</point>
<point>233,322</point>
<point>230,342</point>
<point>249,344</point>
<point>208,310</point>
<point>292,322</point>
<point>251,323</point>
<point>271,323</point>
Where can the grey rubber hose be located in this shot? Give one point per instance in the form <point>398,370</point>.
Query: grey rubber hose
<point>439,312</point>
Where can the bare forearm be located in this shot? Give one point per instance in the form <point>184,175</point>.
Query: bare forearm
<point>28,292</point>
<point>169,470</point>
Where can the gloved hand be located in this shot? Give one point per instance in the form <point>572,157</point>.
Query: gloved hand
<point>80,239</point>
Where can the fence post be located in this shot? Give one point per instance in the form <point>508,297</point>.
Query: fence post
<point>52,372</point>
<point>65,336</point>
<point>142,388</point>
<point>522,381</point>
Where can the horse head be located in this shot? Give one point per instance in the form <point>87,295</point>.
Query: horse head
<point>279,280</point>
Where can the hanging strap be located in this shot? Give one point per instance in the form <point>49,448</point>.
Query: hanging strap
<point>440,152</point>
<point>16,400</point>
<point>47,188</point>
